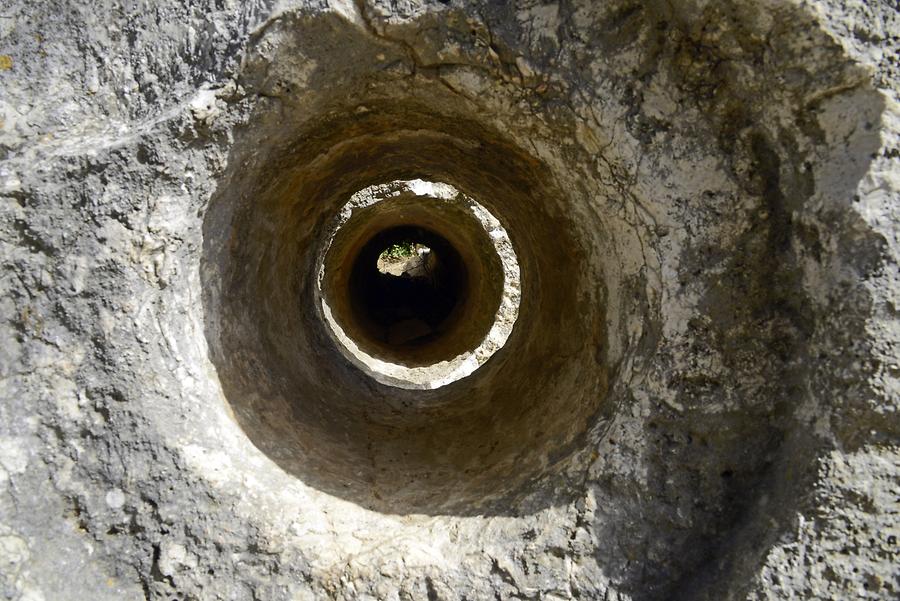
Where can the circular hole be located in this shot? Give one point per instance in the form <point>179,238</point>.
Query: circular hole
<point>405,285</point>
<point>419,283</point>
<point>493,407</point>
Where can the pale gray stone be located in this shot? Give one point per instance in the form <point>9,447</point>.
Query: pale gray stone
<point>698,399</point>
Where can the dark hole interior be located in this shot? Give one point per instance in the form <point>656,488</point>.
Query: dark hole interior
<point>415,304</point>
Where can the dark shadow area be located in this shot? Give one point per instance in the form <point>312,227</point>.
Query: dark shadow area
<point>411,308</point>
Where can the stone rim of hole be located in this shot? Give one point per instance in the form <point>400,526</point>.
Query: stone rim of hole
<point>440,373</point>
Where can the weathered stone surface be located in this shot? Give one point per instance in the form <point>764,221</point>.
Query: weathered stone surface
<point>698,401</point>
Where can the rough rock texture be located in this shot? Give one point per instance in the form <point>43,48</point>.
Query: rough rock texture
<point>699,399</point>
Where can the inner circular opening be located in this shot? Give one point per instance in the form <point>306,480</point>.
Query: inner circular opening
<point>418,283</point>
<point>406,286</point>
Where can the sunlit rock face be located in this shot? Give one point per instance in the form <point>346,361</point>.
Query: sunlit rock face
<point>651,354</point>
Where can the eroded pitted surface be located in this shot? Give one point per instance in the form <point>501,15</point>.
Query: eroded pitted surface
<point>705,400</point>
